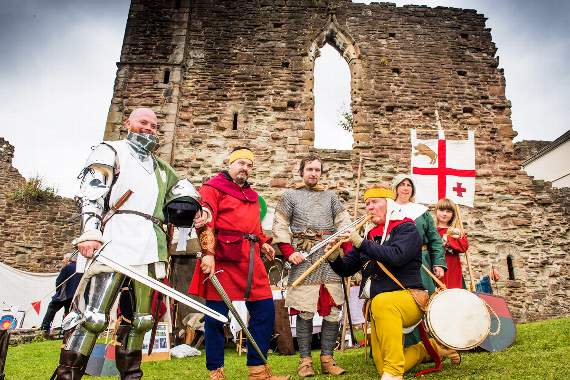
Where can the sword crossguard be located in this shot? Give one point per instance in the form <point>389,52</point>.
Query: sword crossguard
<point>215,273</point>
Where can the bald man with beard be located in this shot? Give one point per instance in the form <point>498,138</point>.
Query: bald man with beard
<point>135,236</point>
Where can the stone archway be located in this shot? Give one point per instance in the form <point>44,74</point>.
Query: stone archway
<point>333,34</point>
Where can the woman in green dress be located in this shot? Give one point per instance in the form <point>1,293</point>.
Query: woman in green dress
<point>433,255</point>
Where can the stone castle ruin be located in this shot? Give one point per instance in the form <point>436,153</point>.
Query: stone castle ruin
<point>225,73</point>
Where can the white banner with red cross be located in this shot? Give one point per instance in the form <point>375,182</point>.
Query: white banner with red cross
<point>444,169</point>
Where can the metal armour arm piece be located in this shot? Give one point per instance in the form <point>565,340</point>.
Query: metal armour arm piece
<point>96,179</point>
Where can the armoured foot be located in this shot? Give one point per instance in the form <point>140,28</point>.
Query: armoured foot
<point>305,368</point>
<point>329,366</point>
<point>263,372</point>
<point>71,366</point>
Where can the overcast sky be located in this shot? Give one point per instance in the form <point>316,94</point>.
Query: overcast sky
<point>57,70</point>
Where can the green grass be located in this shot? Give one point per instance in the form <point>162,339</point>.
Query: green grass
<point>541,351</point>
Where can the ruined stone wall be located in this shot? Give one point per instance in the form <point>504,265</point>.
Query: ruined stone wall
<point>35,236</point>
<point>241,73</point>
<point>527,148</point>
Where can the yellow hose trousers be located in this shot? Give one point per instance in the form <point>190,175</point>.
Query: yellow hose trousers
<point>390,313</point>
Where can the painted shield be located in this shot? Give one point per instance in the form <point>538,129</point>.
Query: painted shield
<point>507,333</point>
<point>102,361</point>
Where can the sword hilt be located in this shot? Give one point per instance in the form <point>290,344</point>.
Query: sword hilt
<point>213,274</point>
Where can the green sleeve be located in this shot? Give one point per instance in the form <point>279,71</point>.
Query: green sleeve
<point>433,242</point>
<point>166,178</point>
<point>164,186</point>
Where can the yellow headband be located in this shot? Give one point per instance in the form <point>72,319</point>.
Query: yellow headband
<point>241,153</point>
<point>379,192</point>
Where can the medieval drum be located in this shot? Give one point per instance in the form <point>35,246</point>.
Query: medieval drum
<point>458,319</point>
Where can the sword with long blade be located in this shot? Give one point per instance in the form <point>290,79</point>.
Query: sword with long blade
<point>219,288</point>
<point>156,285</point>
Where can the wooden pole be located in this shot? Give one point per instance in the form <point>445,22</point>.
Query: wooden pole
<point>471,280</point>
<point>346,281</point>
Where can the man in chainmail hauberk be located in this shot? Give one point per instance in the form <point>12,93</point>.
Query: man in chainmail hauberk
<point>305,215</point>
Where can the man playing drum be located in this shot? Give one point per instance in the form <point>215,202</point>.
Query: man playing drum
<point>394,242</point>
<point>302,217</point>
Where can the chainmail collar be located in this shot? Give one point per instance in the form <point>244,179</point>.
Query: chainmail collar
<point>142,143</point>
<point>302,185</point>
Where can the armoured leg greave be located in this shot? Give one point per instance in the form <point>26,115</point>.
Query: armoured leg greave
<point>128,354</point>
<point>304,336</point>
<point>103,290</point>
<point>71,365</point>
<point>142,318</point>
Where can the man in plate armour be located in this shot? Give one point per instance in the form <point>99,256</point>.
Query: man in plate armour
<point>126,196</point>
<point>304,216</point>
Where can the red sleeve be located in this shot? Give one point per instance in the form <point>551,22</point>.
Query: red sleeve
<point>209,198</point>
<point>459,245</point>
<point>346,247</point>
<point>264,238</point>
<point>286,249</point>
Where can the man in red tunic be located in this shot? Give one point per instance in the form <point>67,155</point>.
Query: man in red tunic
<point>232,243</point>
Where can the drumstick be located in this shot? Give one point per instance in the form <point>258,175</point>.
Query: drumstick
<point>437,281</point>
<point>346,319</point>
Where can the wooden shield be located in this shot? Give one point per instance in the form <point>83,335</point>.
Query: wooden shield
<point>507,333</point>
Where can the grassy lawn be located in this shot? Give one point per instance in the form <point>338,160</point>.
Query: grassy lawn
<point>542,351</point>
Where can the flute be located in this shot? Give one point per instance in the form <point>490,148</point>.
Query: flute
<point>357,224</point>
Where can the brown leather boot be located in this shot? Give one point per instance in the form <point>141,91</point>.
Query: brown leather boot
<point>71,366</point>
<point>329,366</point>
<point>217,374</point>
<point>446,352</point>
<point>263,372</point>
<point>305,368</point>
<point>128,363</point>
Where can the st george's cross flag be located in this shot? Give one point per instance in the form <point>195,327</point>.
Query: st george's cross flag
<point>444,169</point>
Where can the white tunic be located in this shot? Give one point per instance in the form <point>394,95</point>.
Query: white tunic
<point>133,238</point>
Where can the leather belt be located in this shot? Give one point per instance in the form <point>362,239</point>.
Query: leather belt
<point>153,219</point>
<point>313,234</point>
<point>253,239</point>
